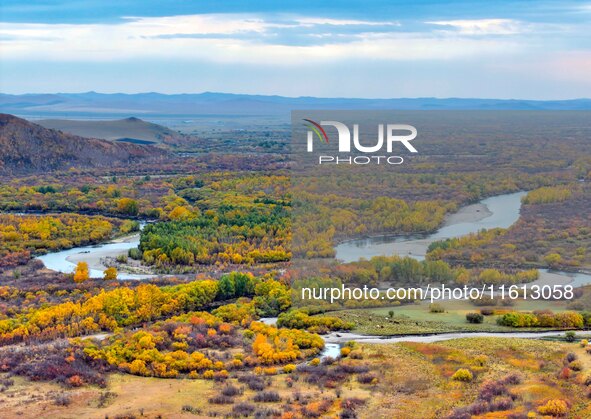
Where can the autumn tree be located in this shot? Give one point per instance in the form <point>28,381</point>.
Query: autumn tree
<point>553,259</point>
<point>127,206</point>
<point>110,274</point>
<point>81,273</point>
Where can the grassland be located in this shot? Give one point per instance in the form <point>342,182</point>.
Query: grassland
<point>128,396</point>
<point>418,319</point>
<point>416,377</point>
<point>409,380</point>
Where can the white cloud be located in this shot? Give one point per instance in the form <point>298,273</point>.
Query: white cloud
<point>584,8</point>
<point>310,21</point>
<point>196,24</point>
<point>484,26</point>
<point>223,38</point>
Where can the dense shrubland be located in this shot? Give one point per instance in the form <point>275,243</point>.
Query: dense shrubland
<point>409,271</point>
<point>229,235</point>
<point>200,345</point>
<point>299,319</point>
<point>111,309</point>
<point>544,318</point>
<point>195,344</point>
<point>237,217</point>
<point>321,220</point>
<point>59,361</point>
<point>547,195</point>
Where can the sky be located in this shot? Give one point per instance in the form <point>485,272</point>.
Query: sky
<point>367,49</point>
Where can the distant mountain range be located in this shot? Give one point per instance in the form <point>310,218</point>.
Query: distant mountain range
<point>131,130</point>
<point>146,104</point>
<point>29,148</point>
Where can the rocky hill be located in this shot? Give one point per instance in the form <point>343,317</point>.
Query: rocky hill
<point>27,148</point>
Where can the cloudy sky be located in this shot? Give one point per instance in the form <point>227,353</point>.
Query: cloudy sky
<point>372,48</point>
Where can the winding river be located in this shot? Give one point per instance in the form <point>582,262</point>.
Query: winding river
<point>496,212</point>
<point>66,260</point>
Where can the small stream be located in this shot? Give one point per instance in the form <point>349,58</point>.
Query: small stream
<point>334,341</point>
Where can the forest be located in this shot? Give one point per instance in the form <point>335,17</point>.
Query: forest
<point>232,234</point>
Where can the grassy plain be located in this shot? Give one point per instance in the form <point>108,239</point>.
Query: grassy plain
<point>416,377</point>
<point>418,319</point>
<point>411,380</point>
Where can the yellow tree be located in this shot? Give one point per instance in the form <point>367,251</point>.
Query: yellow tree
<point>81,273</point>
<point>110,274</point>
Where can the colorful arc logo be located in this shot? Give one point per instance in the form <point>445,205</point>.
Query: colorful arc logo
<point>314,126</point>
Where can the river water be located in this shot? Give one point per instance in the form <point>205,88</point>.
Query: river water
<point>338,338</point>
<point>335,340</point>
<point>500,211</point>
<point>65,260</point>
<point>495,212</point>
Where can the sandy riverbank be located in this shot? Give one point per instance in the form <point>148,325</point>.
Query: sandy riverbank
<point>96,256</point>
<point>468,214</point>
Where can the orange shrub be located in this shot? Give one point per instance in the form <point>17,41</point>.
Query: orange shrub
<point>75,381</point>
<point>225,328</point>
<point>564,373</point>
<point>270,371</point>
<point>555,407</point>
<point>223,374</point>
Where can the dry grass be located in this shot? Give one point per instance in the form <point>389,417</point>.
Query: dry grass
<point>134,396</point>
<point>413,381</point>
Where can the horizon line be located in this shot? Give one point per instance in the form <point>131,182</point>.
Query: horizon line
<point>295,97</point>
